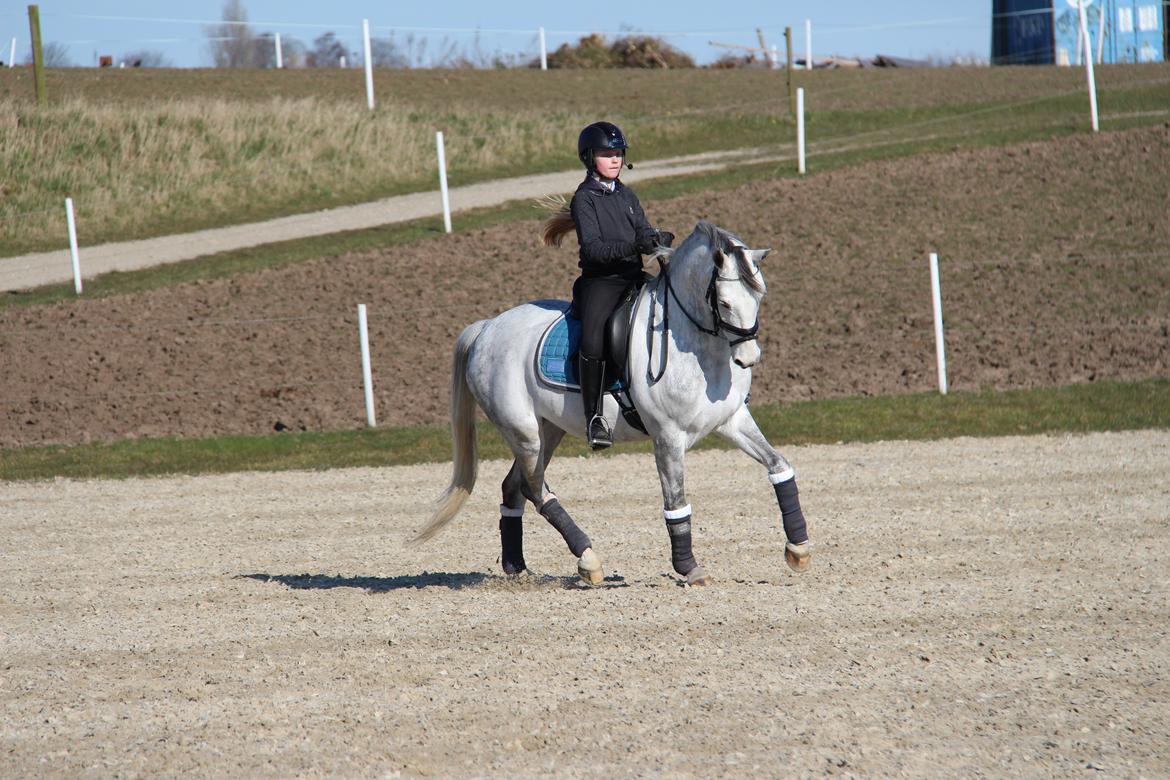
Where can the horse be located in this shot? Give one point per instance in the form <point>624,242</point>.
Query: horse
<point>687,376</point>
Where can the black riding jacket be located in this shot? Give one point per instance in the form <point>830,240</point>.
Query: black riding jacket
<point>608,225</point>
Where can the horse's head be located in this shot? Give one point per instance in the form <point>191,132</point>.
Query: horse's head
<point>735,288</point>
<point>738,289</point>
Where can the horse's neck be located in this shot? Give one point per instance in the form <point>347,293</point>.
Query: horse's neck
<point>688,291</point>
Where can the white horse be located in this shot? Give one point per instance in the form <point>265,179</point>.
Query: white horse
<point>688,375</point>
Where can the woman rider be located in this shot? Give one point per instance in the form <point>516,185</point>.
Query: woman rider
<point>613,233</point>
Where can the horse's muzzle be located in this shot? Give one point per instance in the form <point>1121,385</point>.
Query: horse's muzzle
<point>746,354</point>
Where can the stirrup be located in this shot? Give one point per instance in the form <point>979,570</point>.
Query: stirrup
<point>598,433</point>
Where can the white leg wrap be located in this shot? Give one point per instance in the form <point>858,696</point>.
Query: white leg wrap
<point>783,476</point>
<point>677,514</point>
<point>507,511</point>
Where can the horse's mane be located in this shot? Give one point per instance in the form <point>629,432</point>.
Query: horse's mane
<point>554,229</point>
<point>725,242</point>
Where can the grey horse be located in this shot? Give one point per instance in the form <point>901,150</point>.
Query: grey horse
<point>692,347</point>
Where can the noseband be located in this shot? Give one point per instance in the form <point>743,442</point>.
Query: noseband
<point>718,326</point>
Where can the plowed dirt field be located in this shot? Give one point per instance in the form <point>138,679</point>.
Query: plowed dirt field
<point>1055,270</point>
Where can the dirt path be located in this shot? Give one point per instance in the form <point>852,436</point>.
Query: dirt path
<point>977,607</point>
<point>31,270</point>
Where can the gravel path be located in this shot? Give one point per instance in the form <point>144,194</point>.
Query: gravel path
<point>24,271</point>
<point>977,607</point>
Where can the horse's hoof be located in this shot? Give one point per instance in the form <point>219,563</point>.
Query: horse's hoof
<point>798,556</point>
<point>697,578</point>
<point>514,568</point>
<point>589,567</point>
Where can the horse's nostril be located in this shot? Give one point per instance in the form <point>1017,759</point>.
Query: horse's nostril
<point>739,363</point>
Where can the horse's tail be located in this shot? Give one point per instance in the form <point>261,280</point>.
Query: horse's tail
<point>463,443</point>
<point>554,229</point>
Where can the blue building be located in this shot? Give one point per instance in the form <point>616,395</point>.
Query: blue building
<point>1047,32</point>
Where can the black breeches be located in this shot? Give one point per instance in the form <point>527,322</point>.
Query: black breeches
<point>594,300</point>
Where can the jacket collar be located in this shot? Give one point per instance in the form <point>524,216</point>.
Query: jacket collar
<point>592,182</point>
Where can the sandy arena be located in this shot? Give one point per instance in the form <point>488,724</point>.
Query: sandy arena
<point>976,607</point>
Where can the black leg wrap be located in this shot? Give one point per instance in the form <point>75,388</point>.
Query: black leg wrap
<point>559,519</point>
<point>789,501</point>
<point>512,543</point>
<point>680,545</point>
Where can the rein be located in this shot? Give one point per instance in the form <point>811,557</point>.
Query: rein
<point>717,323</point>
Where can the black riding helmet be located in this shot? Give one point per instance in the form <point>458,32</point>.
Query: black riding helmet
<point>599,135</point>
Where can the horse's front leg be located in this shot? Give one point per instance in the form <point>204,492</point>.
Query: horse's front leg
<point>669,454</point>
<point>742,430</point>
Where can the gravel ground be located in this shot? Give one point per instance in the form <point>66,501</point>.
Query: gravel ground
<point>976,607</point>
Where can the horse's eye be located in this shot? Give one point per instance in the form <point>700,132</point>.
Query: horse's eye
<point>725,304</point>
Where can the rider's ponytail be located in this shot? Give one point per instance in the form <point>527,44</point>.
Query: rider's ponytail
<point>554,229</point>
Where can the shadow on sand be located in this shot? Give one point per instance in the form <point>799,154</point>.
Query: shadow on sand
<point>439,579</point>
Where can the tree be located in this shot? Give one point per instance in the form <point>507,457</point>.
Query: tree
<point>292,51</point>
<point>385,53</point>
<point>233,44</point>
<point>56,55</point>
<point>327,51</point>
<point>146,58</point>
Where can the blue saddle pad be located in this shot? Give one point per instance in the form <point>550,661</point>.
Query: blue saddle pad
<point>556,355</point>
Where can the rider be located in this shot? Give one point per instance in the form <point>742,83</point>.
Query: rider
<point>612,232</point>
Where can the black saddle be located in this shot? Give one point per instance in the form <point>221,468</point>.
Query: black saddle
<point>617,352</point>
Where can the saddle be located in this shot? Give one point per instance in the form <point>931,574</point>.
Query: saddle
<point>556,354</point>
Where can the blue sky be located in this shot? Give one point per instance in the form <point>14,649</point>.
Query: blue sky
<point>912,28</point>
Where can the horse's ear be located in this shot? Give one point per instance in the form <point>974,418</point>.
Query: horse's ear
<point>757,255</point>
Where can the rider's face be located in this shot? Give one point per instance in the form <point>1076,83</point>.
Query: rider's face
<point>608,163</point>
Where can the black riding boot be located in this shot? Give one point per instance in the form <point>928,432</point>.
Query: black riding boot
<point>592,374</point>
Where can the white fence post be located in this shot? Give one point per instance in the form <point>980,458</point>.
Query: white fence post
<point>341,63</point>
<point>543,52</point>
<point>1087,53</point>
<point>367,375</point>
<point>369,64</point>
<point>73,245</point>
<point>940,351</point>
<point>800,167</point>
<point>279,54</point>
<point>1101,32</point>
<point>808,60</point>
<point>12,55</point>
<point>443,181</point>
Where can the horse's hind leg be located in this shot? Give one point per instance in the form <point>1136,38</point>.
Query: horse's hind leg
<point>512,522</point>
<point>513,502</point>
<point>532,455</point>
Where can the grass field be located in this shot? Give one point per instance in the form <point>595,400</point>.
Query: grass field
<point>1103,406</point>
<point>147,153</point>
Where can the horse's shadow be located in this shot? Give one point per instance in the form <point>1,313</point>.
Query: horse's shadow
<point>438,579</point>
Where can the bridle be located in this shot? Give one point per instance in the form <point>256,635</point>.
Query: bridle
<point>718,326</point>
<point>745,334</point>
